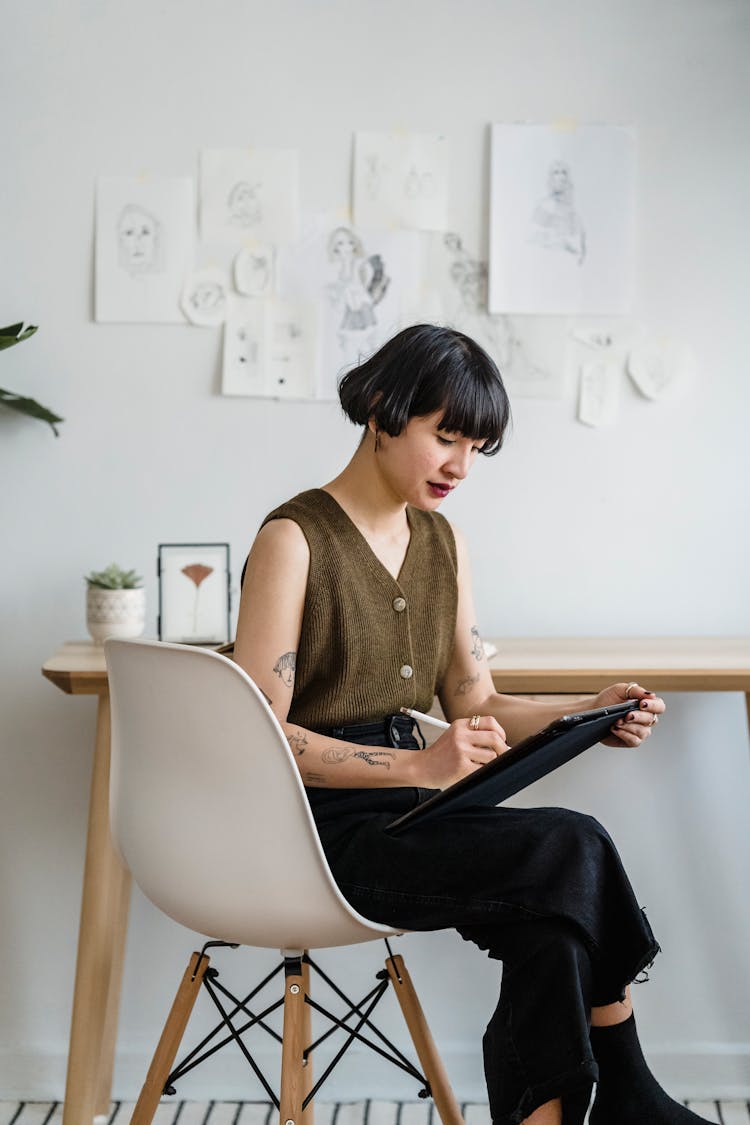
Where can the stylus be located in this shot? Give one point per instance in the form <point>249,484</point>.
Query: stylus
<point>422,718</point>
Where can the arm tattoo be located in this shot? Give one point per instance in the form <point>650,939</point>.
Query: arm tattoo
<point>376,757</point>
<point>467,684</point>
<point>285,666</point>
<point>307,775</point>
<point>477,648</point>
<point>298,742</point>
<point>335,755</point>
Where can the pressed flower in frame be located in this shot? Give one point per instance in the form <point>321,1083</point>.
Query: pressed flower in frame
<point>197,573</point>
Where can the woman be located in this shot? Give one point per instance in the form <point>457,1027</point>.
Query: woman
<point>356,602</point>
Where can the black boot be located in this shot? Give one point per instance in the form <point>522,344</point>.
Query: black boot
<point>627,1092</point>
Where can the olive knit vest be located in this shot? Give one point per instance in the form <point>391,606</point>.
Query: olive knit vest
<point>370,643</point>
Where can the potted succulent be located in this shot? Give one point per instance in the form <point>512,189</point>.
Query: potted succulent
<point>115,603</point>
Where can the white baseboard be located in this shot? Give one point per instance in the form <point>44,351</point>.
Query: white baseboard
<point>714,1070</point>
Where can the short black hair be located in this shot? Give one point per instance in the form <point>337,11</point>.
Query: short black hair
<point>424,369</point>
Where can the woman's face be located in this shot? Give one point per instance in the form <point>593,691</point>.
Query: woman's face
<point>424,463</point>
<point>343,245</point>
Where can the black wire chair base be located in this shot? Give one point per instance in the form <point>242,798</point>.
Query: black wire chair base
<point>237,1018</point>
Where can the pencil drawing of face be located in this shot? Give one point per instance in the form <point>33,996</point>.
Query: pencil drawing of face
<point>138,240</point>
<point>344,245</point>
<point>560,184</point>
<point>243,204</point>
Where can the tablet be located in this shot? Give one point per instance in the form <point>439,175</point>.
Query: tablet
<point>525,762</point>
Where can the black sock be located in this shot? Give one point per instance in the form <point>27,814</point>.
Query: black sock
<point>627,1092</point>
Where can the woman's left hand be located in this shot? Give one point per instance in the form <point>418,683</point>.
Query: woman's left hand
<point>635,727</point>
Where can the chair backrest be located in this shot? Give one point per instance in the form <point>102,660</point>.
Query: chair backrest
<point>208,808</point>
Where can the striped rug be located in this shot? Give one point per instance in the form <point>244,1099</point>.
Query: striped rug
<point>326,1113</point>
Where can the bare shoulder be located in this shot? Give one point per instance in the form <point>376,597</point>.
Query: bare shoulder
<point>278,542</point>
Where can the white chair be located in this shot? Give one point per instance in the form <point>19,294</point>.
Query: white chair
<point>210,815</point>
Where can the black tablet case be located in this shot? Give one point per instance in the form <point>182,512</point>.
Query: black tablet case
<point>527,761</point>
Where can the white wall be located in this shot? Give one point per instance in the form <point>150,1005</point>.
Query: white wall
<point>638,529</point>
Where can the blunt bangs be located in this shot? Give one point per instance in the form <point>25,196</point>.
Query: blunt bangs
<point>423,370</point>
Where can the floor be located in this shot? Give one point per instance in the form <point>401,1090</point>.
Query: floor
<point>326,1113</point>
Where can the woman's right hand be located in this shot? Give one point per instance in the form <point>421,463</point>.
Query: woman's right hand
<point>460,750</point>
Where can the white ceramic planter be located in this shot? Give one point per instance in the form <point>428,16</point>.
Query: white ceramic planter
<point>115,613</point>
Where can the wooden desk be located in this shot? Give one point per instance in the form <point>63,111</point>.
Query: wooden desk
<point>522,666</point>
<point>577,665</point>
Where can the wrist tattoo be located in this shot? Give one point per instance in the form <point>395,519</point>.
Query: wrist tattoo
<point>477,648</point>
<point>298,742</point>
<point>285,666</point>
<point>467,684</point>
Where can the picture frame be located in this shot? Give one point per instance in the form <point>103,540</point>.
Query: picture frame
<point>194,593</point>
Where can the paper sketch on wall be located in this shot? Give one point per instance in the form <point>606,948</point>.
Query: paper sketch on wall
<point>249,193</point>
<point>555,223</point>
<point>659,366</point>
<point>599,392</point>
<point>528,350</point>
<point>144,245</point>
<point>270,349</point>
<point>562,205</point>
<point>401,180</point>
<point>205,297</point>
<point>607,339</point>
<point>254,271</point>
<point>358,280</point>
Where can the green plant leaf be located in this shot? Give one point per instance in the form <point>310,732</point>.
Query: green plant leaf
<point>114,577</point>
<point>30,407</point>
<point>15,334</point>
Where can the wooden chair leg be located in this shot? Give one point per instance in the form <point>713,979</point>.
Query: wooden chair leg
<point>308,1114</point>
<point>432,1065</point>
<point>171,1037</point>
<point>293,1079</point>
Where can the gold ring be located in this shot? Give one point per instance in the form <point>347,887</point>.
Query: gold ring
<point>474,722</point>
<point>627,689</point>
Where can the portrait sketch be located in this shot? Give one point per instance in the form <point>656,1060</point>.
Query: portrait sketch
<point>562,204</point>
<point>144,246</point>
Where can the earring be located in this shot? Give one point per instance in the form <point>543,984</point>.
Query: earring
<point>377,440</point>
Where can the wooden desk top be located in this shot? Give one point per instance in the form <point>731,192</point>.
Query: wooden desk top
<point>529,664</point>
<point>78,668</point>
<point>573,664</point>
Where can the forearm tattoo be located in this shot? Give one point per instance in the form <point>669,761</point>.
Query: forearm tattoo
<point>285,666</point>
<point>335,755</point>
<point>308,775</point>
<point>477,648</point>
<point>298,742</point>
<point>467,684</point>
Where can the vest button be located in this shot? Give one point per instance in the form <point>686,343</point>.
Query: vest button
<point>399,604</point>
<point>406,671</point>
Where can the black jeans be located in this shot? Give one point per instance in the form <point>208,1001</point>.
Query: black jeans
<point>542,890</point>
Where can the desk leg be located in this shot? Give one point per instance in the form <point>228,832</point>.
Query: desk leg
<point>118,919</point>
<point>101,938</point>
